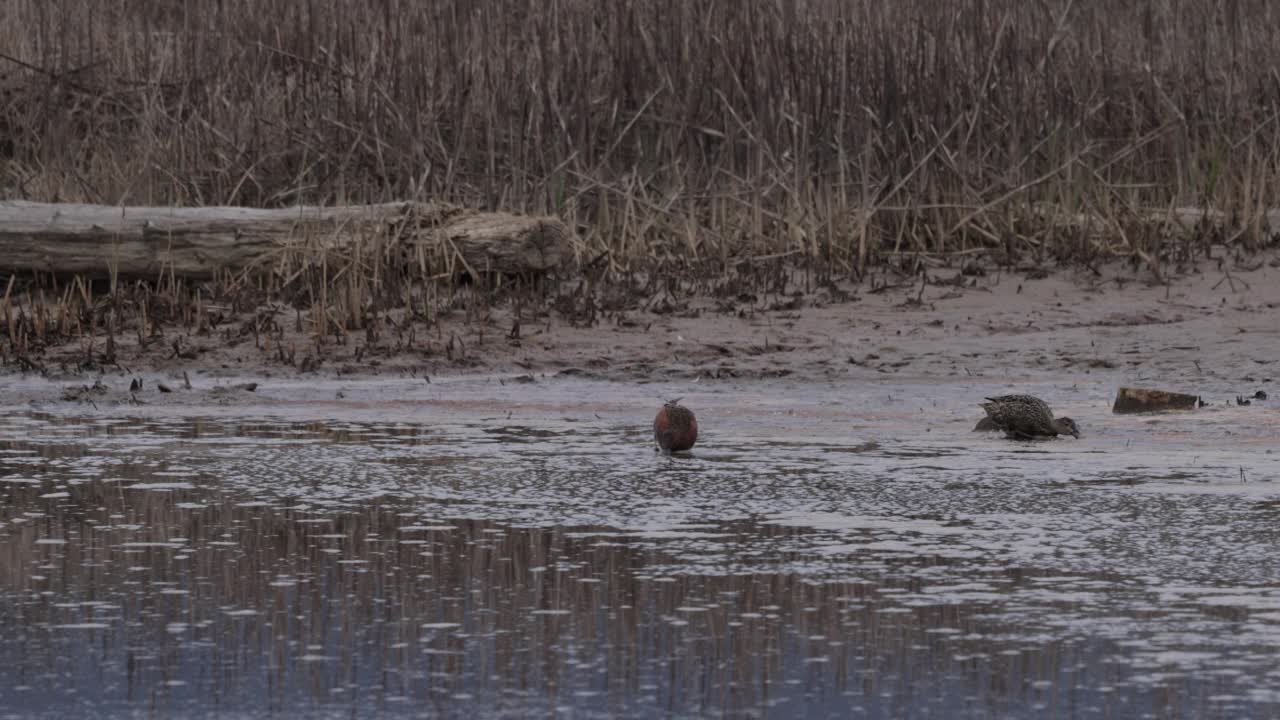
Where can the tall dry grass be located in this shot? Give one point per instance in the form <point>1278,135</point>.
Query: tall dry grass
<point>830,134</point>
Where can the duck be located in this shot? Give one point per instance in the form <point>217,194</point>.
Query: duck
<point>675,429</point>
<point>985,425</point>
<point>1025,417</point>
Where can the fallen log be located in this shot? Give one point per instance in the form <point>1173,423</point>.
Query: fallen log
<point>1181,223</point>
<point>200,241</point>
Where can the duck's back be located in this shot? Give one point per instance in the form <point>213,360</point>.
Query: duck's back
<point>675,428</point>
<point>1022,415</point>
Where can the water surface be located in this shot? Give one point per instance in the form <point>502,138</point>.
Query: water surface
<point>479,549</point>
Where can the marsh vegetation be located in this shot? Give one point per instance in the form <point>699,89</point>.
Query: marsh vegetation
<point>702,148</point>
<point>840,134</point>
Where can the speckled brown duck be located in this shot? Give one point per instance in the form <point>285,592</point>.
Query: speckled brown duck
<point>985,425</point>
<point>675,429</point>
<point>1024,417</point>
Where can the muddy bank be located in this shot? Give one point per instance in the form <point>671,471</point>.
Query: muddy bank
<point>1212,325</point>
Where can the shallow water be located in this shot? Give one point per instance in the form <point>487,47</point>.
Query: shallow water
<point>479,549</point>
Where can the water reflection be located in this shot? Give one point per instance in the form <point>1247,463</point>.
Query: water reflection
<point>267,568</point>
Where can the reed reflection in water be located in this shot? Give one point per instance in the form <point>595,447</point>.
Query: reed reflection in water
<point>181,599</point>
<point>144,571</point>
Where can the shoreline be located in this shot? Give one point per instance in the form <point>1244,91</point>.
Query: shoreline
<point>1203,327</point>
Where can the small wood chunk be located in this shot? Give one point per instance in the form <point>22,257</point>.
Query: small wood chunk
<point>1139,400</point>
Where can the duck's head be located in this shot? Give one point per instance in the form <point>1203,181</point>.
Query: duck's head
<point>1067,426</point>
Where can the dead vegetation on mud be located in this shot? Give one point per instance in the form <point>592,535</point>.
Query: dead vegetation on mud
<point>1212,326</point>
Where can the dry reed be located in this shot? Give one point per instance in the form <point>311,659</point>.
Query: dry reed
<point>721,143</point>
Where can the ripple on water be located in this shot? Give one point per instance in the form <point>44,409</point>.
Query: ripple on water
<point>533,566</point>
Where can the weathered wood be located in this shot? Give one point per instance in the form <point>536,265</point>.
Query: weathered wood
<point>1138,400</point>
<point>508,243</point>
<point>1181,223</point>
<point>197,242</point>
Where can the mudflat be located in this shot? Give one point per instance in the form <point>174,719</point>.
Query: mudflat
<point>1215,326</point>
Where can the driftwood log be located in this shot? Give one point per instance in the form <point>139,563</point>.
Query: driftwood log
<point>198,242</point>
